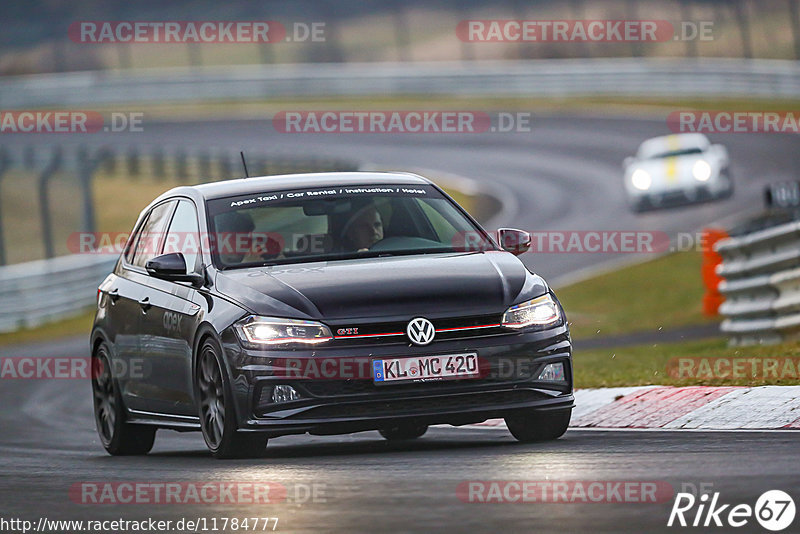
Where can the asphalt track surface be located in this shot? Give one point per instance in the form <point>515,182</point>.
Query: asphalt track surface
<point>563,175</point>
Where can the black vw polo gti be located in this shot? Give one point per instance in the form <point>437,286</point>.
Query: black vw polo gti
<point>323,303</point>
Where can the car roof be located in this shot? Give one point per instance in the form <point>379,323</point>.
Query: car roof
<point>265,184</point>
<point>670,143</point>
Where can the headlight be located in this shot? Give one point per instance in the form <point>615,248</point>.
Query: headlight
<point>641,179</point>
<point>272,331</point>
<point>539,311</point>
<point>701,170</point>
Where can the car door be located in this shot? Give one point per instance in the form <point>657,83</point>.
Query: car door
<point>131,289</point>
<point>169,320</point>
<point>120,306</point>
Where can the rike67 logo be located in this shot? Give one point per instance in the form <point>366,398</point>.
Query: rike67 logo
<point>774,510</point>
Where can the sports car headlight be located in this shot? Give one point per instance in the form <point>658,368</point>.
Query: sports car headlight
<point>273,331</point>
<point>540,311</point>
<point>641,179</point>
<point>701,170</point>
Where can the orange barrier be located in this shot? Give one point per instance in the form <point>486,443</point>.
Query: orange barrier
<point>712,298</point>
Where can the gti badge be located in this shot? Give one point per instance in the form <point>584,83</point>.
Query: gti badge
<point>420,331</point>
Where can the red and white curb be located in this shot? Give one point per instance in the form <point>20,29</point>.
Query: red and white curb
<point>694,407</point>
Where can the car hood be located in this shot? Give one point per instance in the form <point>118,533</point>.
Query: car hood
<point>433,284</point>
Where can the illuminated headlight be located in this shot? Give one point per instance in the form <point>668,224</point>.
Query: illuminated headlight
<point>701,170</point>
<point>553,372</point>
<point>641,179</point>
<point>272,331</point>
<point>540,311</point>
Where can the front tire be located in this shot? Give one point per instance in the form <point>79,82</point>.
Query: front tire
<point>533,426</point>
<point>215,404</point>
<point>638,205</point>
<point>118,437</point>
<point>728,191</point>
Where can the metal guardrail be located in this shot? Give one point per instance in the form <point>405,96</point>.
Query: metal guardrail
<point>38,292</point>
<point>567,77</point>
<point>761,272</point>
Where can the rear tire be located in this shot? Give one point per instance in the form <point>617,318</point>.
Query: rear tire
<point>728,191</point>
<point>216,409</point>
<point>403,432</point>
<point>638,205</point>
<point>118,437</point>
<point>533,426</point>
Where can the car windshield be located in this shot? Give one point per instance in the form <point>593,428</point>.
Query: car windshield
<point>333,223</point>
<point>676,153</point>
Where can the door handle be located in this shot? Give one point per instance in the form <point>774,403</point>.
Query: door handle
<point>114,295</point>
<point>145,304</point>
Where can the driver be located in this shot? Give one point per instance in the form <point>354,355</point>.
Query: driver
<point>363,229</point>
<point>236,241</point>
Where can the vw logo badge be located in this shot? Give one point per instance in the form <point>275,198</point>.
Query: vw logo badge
<point>420,331</point>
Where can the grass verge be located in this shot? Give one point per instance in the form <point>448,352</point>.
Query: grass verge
<point>74,326</point>
<point>663,293</point>
<point>705,363</point>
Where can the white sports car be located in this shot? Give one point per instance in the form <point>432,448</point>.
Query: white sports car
<point>677,169</point>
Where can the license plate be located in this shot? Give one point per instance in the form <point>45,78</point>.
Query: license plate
<point>425,368</point>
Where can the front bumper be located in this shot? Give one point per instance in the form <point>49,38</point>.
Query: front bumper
<point>695,192</point>
<point>341,397</point>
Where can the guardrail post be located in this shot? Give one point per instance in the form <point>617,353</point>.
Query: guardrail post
<point>133,162</point>
<point>124,55</point>
<point>29,157</point>
<point>195,55</point>
<point>744,29</point>
<point>224,166</point>
<point>87,166</point>
<point>5,164</point>
<point>159,167</point>
<point>794,15</point>
<point>108,160</point>
<point>630,14</point>
<point>259,169</point>
<point>686,14</point>
<point>181,167</point>
<point>44,200</point>
<point>401,32</point>
<point>204,166</point>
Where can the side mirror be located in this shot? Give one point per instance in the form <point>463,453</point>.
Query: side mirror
<point>514,241</point>
<point>172,267</point>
